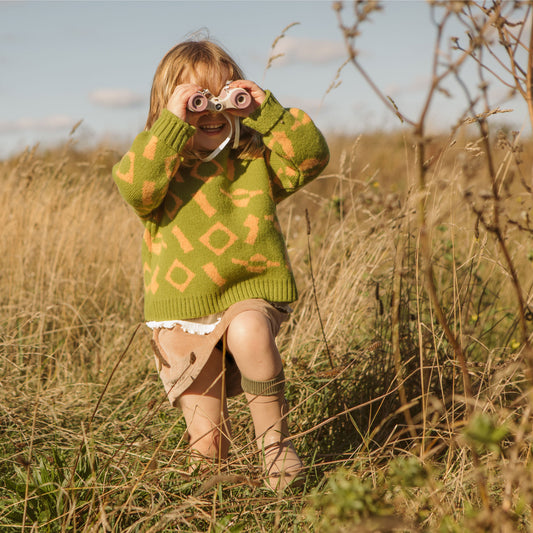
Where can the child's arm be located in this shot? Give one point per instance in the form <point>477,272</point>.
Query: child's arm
<point>298,151</point>
<point>144,173</point>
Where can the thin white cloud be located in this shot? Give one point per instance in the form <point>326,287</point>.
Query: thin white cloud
<point>312,51</point>
<point>50,123</point>
<point>116,98</point>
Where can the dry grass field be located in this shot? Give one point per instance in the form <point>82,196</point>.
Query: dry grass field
<point>408,356</point>
<point>380,413</point>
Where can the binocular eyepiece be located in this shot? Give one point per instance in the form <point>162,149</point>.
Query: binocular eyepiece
<point>229,98</point>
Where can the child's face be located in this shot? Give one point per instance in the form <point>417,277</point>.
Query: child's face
<point>211,128</point>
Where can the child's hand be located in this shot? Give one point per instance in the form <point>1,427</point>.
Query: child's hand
<point>257,94</point>
<point>177,103</point>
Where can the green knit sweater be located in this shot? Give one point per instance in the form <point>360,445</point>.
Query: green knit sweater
<point>212,237</point>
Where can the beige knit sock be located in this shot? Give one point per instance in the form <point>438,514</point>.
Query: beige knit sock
<point>269,411</point>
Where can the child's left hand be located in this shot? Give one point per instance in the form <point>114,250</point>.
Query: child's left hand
<point>257,94</point>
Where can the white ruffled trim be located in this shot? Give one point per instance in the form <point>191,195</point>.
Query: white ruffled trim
<point>203,325</point>
<point>187,326</point>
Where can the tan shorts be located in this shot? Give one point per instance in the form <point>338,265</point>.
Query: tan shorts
<point>180,356</point>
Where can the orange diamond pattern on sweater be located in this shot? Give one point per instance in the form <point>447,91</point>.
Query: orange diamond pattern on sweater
<point>179,276</point>
<point>219,244</point>
<point>218,169</point>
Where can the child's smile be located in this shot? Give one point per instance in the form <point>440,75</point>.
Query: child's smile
<point>211,130</point>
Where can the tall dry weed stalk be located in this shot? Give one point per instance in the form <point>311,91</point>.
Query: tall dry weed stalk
<point>512,52</point>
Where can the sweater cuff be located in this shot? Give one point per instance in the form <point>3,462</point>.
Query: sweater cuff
<point>265,117</point>
<point>172,130</point>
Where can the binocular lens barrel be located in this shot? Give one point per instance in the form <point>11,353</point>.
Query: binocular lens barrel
<point>197,102</point>
<point>240,98</point>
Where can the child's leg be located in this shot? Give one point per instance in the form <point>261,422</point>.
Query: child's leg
<point>252,344</point>
<point>205,410</point>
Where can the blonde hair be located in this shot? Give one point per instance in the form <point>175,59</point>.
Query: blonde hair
<point>204,61</point>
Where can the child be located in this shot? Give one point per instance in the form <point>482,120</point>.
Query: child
<point>205,184</point>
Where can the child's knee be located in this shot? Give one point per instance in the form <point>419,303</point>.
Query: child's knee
<point>250,327</point>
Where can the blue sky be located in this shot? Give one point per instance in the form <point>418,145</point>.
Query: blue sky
<point>62,62</point>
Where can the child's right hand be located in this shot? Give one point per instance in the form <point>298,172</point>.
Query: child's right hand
<point>177,103</point>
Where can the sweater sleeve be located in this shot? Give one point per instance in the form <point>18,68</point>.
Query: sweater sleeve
<point>298,151</point>
<point>144,173</point>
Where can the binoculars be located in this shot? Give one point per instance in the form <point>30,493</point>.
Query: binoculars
<point>229,98</point>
